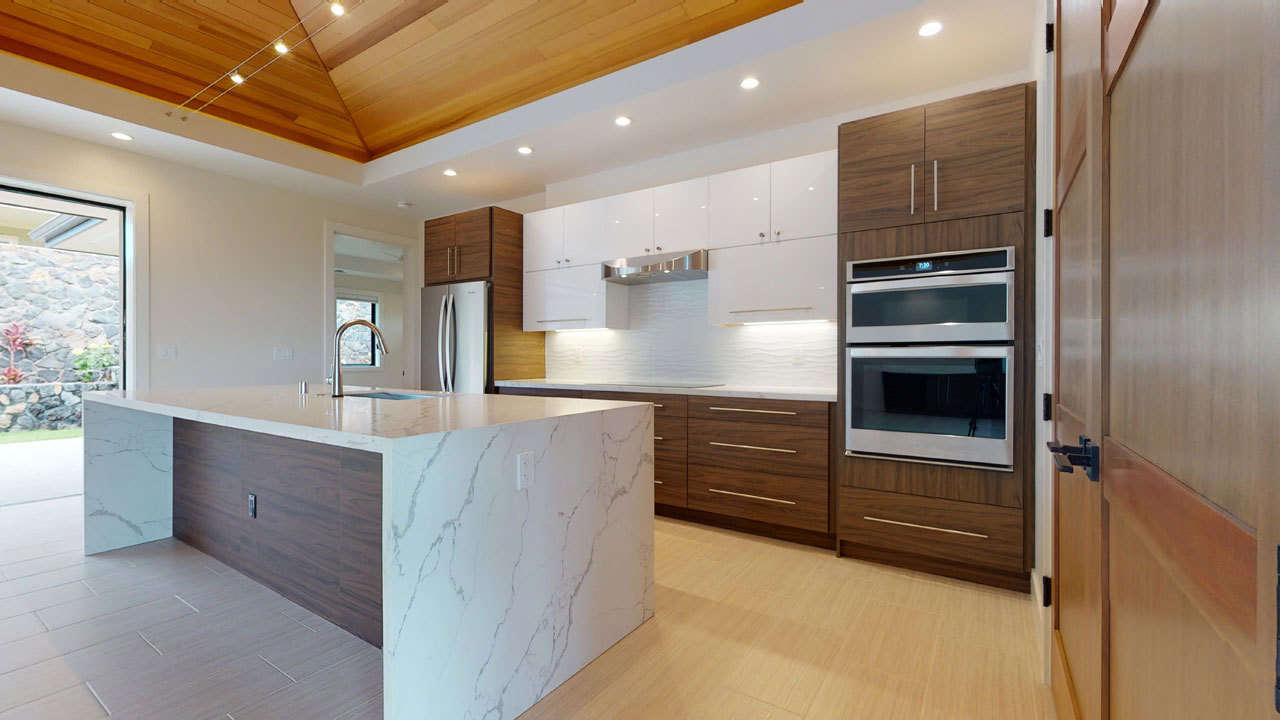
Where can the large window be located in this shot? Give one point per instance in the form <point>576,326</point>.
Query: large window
<point>357,345</point>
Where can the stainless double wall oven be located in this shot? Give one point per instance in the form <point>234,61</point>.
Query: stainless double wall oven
<point>930,358</point>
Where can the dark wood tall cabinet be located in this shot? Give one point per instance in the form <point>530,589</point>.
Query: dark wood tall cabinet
<point>459,247</point>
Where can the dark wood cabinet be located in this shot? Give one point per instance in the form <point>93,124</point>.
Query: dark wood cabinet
<point>976,154</point>
<point>438,237</point>
<point>799,502</point>
<point>458,248</point>
<point>958,158</point>
<point>882,171</point>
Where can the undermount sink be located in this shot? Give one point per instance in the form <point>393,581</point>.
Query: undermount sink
<point>392,395</point>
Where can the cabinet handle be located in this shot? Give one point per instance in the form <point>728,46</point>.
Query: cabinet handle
<point>778,233</point>
<point>807,307</point>
<point>913,188</point>
<point>658,248</point>
<point>457,259</point>
<point>751,447</point>
<point>752,410</point>
<point>926,527</point>
<point>564,320</point>
<point>657,482</point>
<point>761,234</point>
<point>448,254</point>
<point>658,405</point>
<point>657,437</point>
<point>935,186</point>
<point>568,259</point>
<point>753,497</point>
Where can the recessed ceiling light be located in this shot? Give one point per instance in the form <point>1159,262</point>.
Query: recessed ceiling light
<point>236,77</point>
<point>450,172</point>
<point>281,47</point>
<point>122,136</point>
<point>931,28</point>
<point>404,204</point>
<point>749,83</point>
<point>622,121</point>
<point>337,9</point>
<point>524,150</point>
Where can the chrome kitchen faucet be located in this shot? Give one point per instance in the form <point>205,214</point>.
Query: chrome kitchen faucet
<point>378,341</point>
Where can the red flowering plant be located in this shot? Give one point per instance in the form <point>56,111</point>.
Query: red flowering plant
<point>14,339</point>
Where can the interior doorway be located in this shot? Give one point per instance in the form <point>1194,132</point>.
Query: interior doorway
<point>62,333</point>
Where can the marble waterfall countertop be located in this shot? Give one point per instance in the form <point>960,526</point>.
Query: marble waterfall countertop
<point>816,394</point>
<point>355,422</point>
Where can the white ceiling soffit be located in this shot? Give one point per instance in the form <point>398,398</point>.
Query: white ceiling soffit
<point>819,59</point>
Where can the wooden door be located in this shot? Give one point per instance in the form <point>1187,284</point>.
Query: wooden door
<point>438,241</point>
<point>882,171</point>
<point>1078,654</point>
<point>976,154</point>
<point>472,245</point>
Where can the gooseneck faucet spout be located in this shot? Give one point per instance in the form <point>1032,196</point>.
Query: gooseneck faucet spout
<point>379,343</point>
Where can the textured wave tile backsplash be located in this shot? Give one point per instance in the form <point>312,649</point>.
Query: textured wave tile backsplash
<point>671,340</point>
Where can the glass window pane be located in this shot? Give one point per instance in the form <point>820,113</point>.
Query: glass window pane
<point>939,396</point>
<point>357,343</point>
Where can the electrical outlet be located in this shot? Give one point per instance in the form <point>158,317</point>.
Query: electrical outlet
<point>282,353</point>
<point>166,352</point>
<point>524,469</point>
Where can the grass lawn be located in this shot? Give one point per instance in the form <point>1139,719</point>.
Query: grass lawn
<point>21,436</point>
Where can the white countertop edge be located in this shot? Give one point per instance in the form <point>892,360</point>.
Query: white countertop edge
<point>813,394</point>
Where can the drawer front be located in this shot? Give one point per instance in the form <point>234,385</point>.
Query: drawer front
<point>669,482</point>
<point>779,499</point>
<point>971,533</point>
<point>673,406</point>
<point>782,449</point>
<point>539,392</point>
<point>777,412</point>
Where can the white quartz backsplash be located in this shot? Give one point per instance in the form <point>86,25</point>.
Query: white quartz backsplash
<point>670,339</point>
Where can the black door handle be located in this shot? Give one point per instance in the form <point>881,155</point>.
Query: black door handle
<point>1086,455</point>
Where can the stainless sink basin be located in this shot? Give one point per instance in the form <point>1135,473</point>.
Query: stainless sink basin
<point>392,395</point>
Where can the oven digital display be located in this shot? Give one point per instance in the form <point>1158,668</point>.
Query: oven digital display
<point>967,262</point>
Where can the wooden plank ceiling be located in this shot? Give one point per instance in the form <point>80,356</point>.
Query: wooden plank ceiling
<point>389,74</point>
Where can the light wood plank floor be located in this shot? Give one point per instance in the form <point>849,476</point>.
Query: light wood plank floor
<point>747,628</point>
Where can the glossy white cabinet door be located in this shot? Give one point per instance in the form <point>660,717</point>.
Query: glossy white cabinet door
<point>738,207</point>
<point>584,232</point>
<point>573,298</point>
<point>628,227</point>
<point>802,196</point>
<point>680,219</point>
<point>543,239</point>
<point>773,282</point>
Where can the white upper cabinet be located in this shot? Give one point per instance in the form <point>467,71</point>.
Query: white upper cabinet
<point>802,196</point>
<point>680,218</point>
<point>584,232</point>
<point>573,298</point>
<point>628,226</point>
<point>739,207</point>
<point>543,239</point>
<point>773,282</point>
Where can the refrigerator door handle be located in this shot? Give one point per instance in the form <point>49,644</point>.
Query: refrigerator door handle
<point>444,304</point>
<point>451,337</point>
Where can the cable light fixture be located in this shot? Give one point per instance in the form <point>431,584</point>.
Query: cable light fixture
<point>238,76</point>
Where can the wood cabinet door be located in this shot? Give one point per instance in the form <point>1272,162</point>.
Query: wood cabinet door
<point>472,245</point>
<point>882,171</point>
<point>739,207</point>
<point>543,239</point>
<point>976,154</point>
<point>438,241</point>
<point>802,196</point>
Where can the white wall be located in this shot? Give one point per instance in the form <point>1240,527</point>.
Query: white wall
<point>391,368</point>
<point>234,268</point>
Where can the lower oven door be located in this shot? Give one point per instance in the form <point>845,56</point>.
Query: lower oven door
<point>945,404</point>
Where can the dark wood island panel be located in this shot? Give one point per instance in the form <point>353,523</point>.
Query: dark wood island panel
<point>317,535</point>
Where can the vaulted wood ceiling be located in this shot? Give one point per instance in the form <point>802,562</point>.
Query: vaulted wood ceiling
<point>389,74</point>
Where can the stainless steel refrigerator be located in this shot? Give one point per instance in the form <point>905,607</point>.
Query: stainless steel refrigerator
<point>455,337</point>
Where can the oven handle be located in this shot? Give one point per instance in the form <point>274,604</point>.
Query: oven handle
<point>933,351</point>
<point>1004,277</point>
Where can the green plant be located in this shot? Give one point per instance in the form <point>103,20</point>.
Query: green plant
<point>93,359</point>
<point>14,339</point>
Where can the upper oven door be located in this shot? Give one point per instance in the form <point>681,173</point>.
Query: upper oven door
<point>947,308</point>
<point>945,403</point>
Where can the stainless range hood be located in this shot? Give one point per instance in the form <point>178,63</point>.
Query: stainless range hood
<point>664,267</point>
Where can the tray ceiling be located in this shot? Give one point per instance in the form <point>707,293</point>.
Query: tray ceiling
<point>389,74</point>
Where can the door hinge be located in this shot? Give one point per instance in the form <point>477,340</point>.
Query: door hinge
<point>1046,407</point>
<point>1048,37</point>
<point>1046,593</point>
<point>1066,458</point>
<point>1048,222</point>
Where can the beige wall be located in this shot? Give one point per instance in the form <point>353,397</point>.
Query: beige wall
<point>235,268</point>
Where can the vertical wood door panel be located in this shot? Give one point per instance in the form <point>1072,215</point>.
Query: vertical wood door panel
<point>472,245</point>
<point>976,154</point>
<point>877,156</point>
<point>438,242</point>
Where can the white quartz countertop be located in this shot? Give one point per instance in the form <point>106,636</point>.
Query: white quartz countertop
<point>817,394</point>
<point>347,421</point>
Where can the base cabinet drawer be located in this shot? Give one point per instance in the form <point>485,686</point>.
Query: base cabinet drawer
<point>670,482</point>
<point>782,500</point>
<point>760,410</point>
<point>664,406</point>
<point>986,535</point>
<point>763,447</point>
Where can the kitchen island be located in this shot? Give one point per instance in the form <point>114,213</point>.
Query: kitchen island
<point>491,545</point>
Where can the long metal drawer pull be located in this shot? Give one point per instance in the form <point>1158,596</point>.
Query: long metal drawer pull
<point>657,482</point>
<point>658,405</point>
<point>935,185</point>
<point>656,437</point>
<point>925,527</point>
<point>913,188</point>
<point>753,497</point>
<point>565,320</point>
<point>750,410</point>
<point>751,447</point>
<point>807,307</point>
